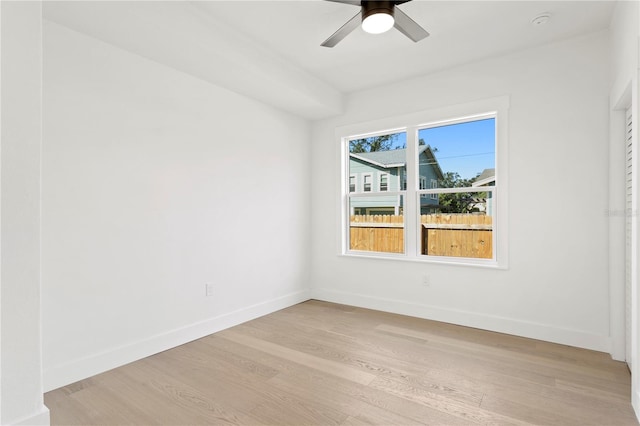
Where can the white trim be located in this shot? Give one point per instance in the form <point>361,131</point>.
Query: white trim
<point>357,195</point>
<point>380,176</point>
<point>40,418</point>
<point>483,181</point>
<point>440,260</point>
<point>412,203</point>
<point>422,186</point>
<point>531,330</point>
<point>435,117</point>
<point>355,183</point>
<point>630,189</point>
<point>456,190</point>
<point>81,368</point>
<point>635,293</point>
<point>364,181</point>
<point>423,182</point>
<point>434,185</point>
<point>364,134</point>
<point>620,100</point>
<point>624,93</point>
<point>616,231</point>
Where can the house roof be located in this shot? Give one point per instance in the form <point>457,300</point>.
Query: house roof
<point>395,157</point>
<point>386,159</point>
<point>486,177</point>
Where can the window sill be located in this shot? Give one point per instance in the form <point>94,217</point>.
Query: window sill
<point>436,260</point>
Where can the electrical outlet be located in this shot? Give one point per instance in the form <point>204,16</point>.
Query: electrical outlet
<point>426,280</point>
<point>208,289</point>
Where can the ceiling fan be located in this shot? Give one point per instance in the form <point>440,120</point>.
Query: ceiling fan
<point>377,17</point>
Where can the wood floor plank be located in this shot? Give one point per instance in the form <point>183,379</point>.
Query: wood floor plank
<point>320,363</point>
<point>345,394</point>
<point>467,412</point>
<point>362,401</point>
<point>535,415</point>
<point>170,397</point>
<point>329,367</point>
<point>353,352</point>
<point>532,360</point>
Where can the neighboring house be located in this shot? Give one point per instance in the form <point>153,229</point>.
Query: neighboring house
<point>386,171</point>
<point>486,178</point>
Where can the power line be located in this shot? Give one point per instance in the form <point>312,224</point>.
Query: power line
<point>467,155</point>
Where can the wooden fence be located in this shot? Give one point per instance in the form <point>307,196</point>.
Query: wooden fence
<point>459,235</point>
<point>377,233</point>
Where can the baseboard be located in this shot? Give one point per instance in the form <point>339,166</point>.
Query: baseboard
<point>635,403</point>
<point>78,369</point>
<point>41,418</point>
<point>498,324</point>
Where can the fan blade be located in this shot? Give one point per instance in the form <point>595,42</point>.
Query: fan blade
<point>408,26</point>
<point>344,31</point>
<point>353,2</point>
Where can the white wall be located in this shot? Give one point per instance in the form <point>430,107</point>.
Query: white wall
<point>556,286</point>
<point>21,386</point>
<point>155,183</point>
<point>188,37</point>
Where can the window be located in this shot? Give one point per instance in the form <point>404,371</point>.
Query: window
<point>376,223</point>
<point>384,182</point>
<point>352,183</point>
<point>366,183</point>
<point>461,156</point>
<point>434,185</point>
<point>435,196</point>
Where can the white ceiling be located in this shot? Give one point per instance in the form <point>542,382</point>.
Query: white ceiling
<point>461,31</point>
<point>270,50</point>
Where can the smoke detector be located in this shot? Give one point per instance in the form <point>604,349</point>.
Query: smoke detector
<point>541,19</point>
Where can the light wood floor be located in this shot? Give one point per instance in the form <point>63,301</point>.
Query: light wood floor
<point>321,363</point>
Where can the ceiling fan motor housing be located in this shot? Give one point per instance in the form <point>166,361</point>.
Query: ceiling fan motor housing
<point>372,7</point>
<point>377,17</point>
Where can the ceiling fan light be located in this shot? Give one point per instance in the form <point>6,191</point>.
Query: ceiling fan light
<point>378,23</point>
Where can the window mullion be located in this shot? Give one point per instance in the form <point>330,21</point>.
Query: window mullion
<point>411,199</point>
<point>390,180</point>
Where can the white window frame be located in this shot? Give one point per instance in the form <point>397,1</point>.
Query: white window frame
<point>380,176</point>
<point>423,185</point>
<point>364,181</point>
<point>434,185</point>
<point>355,183</point>
<point>497,108</point>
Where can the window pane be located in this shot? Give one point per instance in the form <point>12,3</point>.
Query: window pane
<point>367,183</point>
<point>377,224</point>
<point>458,155</point>
<point>379,162</point>
<point>459,234</point>
<point>434,185</point>
<point>458,224</point>
<point>384,182</point>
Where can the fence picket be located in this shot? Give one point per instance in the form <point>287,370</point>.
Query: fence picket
<point>458,235</point>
